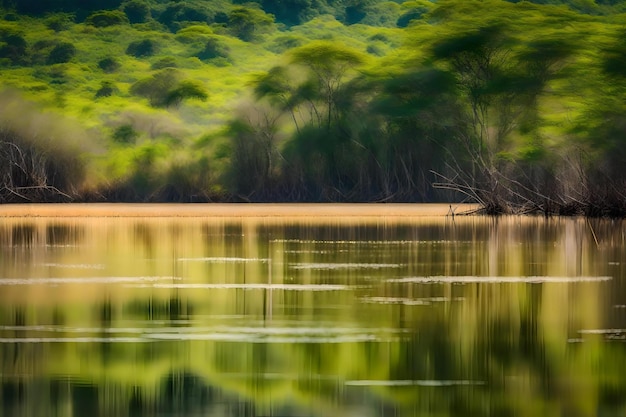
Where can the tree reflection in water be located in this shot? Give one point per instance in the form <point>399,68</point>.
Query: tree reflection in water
<point>241,317</point>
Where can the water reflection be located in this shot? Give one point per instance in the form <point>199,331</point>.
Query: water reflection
<point>242,317</point>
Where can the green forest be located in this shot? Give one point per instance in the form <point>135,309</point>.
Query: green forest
<point>517,106</point>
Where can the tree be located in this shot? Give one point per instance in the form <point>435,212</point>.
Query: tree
<point>214,48</point>
<point>419,115</point>
<point>314,91</point>
<point>601,131</point>
<point>327,66</point>
<point>249,24</point>
<point>501,59</point>
<point>253,153</point>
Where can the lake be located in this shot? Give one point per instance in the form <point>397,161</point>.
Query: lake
<point>312,310</point>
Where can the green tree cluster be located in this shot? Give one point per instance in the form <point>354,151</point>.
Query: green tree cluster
<point>516,105</point>
<point>465,111</point>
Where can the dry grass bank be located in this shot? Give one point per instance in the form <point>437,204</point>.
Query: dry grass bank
<point>231,210</point>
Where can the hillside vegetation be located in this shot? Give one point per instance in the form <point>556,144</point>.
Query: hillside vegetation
<point>518,106</point>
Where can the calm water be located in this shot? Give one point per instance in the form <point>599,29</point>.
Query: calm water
<point>242,317</point>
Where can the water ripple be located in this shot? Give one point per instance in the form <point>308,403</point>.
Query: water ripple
<point>223,260</point>
<point>405,383</point>
<point>408,301</point>
<point>73,266</point>
<point>284,287</point>
<point>330,266</point>
<point>73,340</point>
<point>495,280</point>
<point>83,280</point>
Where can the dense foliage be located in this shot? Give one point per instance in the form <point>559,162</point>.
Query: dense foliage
<point>516,105</point>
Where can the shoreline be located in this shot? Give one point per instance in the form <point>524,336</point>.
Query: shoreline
<point>258,210</point>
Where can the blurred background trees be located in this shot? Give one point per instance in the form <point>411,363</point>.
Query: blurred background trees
<point>516,105</point>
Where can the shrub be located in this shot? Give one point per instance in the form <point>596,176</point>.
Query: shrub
<point>40,51</point>
<point>214,48</point>
<point>165,89</point>
<point>165,62</point>
<point>125,134</point>
<point>42,153</point>
<point>185,90</point>
<point>157,87</point>
<point>11,17</point>
<point>193,34</point>
<point>138,49</point>
<point>52,74</point>
<point>355,13</point>
<point>13,47</point>
<point>176,13</point>
<point>374,49</point>
<point>249,24</point>
<point>105,18</point>
<point>379,37</point>
<point>136,11</point>
<point>59,21</point>
<point>414,14</point>
<point>382,13</point>
<point>285,42</point>
<point>220,18</point>
<point>290,12</point>
<point>61,53</point>
<point>107,88</point>
<point>109,64</point>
